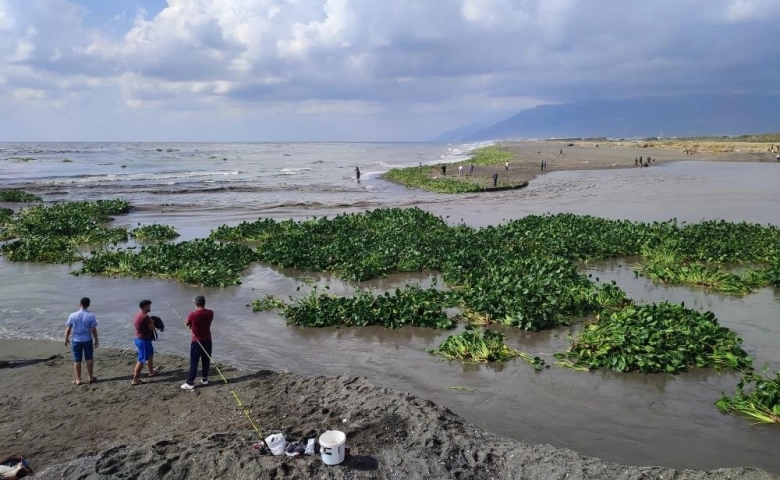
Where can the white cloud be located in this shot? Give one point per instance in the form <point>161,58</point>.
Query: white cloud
<point>362,58</point>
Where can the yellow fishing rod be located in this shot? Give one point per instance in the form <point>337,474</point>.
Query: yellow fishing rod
<point>240,404</point>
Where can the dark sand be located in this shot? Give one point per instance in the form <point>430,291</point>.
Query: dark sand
<point>113,430</point>
<point>608,155</point>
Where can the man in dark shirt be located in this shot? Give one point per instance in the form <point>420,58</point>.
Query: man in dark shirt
<point>199,321</point>
<point>144,332</point>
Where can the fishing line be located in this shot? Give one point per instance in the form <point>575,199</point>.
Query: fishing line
<point>240,404</point>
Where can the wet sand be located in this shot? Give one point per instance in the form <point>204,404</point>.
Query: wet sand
<point>110,429</point>
<point>589,155</point>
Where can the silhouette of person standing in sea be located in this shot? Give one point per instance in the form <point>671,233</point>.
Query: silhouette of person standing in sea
<point>357,173</point>
<point>495,179</point>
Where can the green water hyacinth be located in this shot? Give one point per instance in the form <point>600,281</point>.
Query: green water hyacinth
<point>480,345</point>
<point>16,195</point>
<point>55,233</point>
<point>757,398</point>
<point>154,233</point>
<point>669,266</point>
<point>654,338</point>
<point>410,306</point>
<point>195,262</point>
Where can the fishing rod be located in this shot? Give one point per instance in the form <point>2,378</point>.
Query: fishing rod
<point>240,404</point>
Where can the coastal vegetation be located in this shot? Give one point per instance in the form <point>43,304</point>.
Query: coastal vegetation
<point>16,195</point>
<point>154,233</point>
<point>523,274</point>
<point>197,262</point>
<point>412,306</point>
<point>757,397</point>
<point>654,338</point>
<point>478,345</point>
<point>55,233</point>
<point>431,177</point>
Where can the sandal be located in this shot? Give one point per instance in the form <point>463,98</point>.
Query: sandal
<point>140,382</point>
<point>156,372</point>
<point>76,382</point>
<point>93,380</point>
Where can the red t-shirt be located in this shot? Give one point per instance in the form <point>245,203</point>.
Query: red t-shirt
<point>141,323</point>
<point>199,321</point>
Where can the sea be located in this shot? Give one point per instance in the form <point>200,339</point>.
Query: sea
<point>665,420</point>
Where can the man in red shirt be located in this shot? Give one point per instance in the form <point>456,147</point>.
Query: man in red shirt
<point>144,332</point>
<point>199,321</point>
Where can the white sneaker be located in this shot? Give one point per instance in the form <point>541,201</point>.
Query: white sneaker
<point>187,386</point>
<point>204,381</point>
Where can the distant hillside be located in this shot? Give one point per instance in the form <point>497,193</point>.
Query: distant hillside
<point>687,116</point>
<point>464,132</point>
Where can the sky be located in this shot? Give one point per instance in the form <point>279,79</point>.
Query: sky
<point>357,70</point>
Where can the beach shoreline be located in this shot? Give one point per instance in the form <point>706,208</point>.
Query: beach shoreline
<point>110,429</point>
<point>565,155</point>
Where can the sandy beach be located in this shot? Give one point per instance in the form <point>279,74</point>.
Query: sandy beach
<point>591,155</point>
<point>111,429</point>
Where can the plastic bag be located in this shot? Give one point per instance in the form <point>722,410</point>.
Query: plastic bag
<point>309,447</point>
<point>276,443</point>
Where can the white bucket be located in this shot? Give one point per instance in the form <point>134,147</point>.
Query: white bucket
<point>332,444</point>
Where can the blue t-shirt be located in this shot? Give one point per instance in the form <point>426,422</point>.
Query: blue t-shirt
<point>82,323</point>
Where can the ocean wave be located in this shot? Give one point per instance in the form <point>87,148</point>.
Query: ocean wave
<point>294,171</point>
<point>113,177</point>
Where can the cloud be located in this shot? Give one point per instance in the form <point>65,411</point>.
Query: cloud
<point>333,60</point>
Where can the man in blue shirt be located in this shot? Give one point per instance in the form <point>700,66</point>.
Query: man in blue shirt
<point>83,326</point>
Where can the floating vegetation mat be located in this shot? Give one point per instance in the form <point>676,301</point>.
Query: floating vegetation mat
<point>480,345</point>
<point>154,233</point>
<point>757,397</point>
<point>411,306</point>
<point>16,195</point>
<point>653,338</point>
<point>197,262</point>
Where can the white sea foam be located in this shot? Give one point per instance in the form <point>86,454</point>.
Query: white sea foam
<point>112,177</point>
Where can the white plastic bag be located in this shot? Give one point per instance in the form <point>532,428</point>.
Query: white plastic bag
<point>276,443</point>
<point>309,447</point>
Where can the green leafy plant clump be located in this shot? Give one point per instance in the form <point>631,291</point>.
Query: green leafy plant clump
<point>55,233</point>
<point>411,306</point>
<point>655,338</point>
<point>354,246</point>
<point>430,177</point>
<point>757,397</point>
<point>154,233</point>
<point>16,195</point>
<point>480,345</point>
<point>670,267</point>
<point>196,262</point>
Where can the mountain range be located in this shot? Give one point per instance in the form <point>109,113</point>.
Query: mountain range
<point>681,116</point>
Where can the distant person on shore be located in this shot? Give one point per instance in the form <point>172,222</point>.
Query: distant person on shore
<point>545,165</point>
<point>83,325</point>
<point>495,179</point>
<point>471,169</point>
<point>778,158</point>
<point>357,173</point>
<point>444,169</point>
<point>636,162</point>
<point>506,165</point>
<point>542,166</point>
<point>199,321</point>
<point>460,170</point>
<point>561,152</point>
<point>144,333</point>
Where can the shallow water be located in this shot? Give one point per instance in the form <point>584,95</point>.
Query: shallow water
<point>665,420</point>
